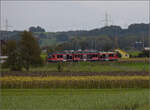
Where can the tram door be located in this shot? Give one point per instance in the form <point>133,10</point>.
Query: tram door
<point>65,57</point>
<point>69,57</point>
<point>84,57</point>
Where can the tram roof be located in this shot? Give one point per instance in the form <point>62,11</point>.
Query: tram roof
<point>78,52</point>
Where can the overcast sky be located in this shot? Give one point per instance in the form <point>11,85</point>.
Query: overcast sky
<point>80,15</point>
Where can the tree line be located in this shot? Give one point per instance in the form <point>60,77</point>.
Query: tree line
<point>104,38</point>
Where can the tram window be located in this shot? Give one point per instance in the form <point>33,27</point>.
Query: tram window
<point>59,56</point>
<point>70,57</point>
<point>53,56</point>
<point>103,56</point>
<point>76,56</point>
<point>49,56</point>
<point>81,56</point>
<point>94,55</point>
<point>111,55</point>
<point>90,56</point>
<point>67,56</point>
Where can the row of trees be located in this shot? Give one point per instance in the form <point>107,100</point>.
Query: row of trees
<point>23,53</point>
<point>126,37</point>
<point>106,37</point>
<point>98,43</point>
<point>103,43</point>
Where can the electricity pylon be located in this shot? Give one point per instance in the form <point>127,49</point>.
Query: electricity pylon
<point>6,29</point>
<point>107,20</point>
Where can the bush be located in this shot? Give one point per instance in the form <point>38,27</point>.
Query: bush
<point>144,53</point>
<point>4,65</point>
<point>60,67</point>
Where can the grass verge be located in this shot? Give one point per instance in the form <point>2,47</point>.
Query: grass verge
<point>75,99</point>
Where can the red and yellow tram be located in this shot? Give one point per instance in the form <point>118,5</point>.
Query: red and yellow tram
<point>82,56</point>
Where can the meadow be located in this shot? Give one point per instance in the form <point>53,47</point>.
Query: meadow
<point>123,65</point>
<point>116,85</point>
<point>75,99</point>
<point>116,66</point>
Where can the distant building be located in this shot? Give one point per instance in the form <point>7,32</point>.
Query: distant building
<point>147,48</point>
<point>139,45</point>
<point>3,59</point>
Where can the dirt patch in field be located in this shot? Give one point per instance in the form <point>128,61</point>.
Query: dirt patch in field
<point>47,73</point>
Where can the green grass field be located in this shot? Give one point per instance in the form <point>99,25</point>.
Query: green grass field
<point>134,53</point>
<point>123,65</point>
<point>74,99</point>
<point>135,98</point>
<point>48,42</point>
<point>96,67</point>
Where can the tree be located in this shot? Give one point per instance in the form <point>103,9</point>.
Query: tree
<point>36,29</point>
<point>144,53</point>
<point>83,44</point>
<point>104,43</point>
<point>30,50</point>
<point>14,61</point>
<point>3,50</point>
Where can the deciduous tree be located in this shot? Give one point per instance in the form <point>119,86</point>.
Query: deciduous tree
<point>30,50</point>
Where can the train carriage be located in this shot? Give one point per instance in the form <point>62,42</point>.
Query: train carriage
<point>92,57</point>
<point>82,56</point>
<point>79,56</point>
<point>56,57</point>
<point>108,56</point>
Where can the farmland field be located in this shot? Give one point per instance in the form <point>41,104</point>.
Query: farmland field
<point>75,82</point>
<point>128,65</point>
<point>74,99</point>
<point>117,85</point>
<point>97,66</point>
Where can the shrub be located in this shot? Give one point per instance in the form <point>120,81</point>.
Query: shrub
<point>60,67</point>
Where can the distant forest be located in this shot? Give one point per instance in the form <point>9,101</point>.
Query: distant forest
<point>105,38</point>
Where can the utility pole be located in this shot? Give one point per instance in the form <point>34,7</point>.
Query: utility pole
<point>143,41</point>
<point>116,41</point>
